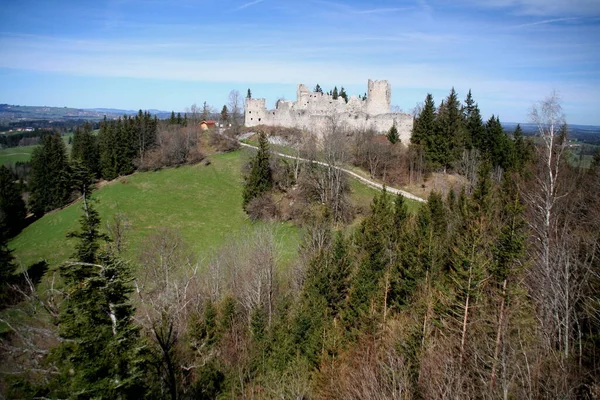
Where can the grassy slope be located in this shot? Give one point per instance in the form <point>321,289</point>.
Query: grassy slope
<point>23,153</point>
<point>14,154</point>
<point>202,202</point>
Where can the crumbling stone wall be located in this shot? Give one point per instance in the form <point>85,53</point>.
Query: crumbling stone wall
<point>316,111</point>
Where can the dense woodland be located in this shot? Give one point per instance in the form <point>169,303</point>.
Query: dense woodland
<point>488,291</point>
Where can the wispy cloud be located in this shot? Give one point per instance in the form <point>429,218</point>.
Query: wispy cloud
<point>383,10</point>
<point>248,4</point>
<point>545,22</point>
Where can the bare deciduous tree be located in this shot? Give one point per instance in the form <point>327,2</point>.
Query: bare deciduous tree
<point>235,109</point>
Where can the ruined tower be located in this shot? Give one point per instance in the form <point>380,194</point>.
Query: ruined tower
<point>378,97</point>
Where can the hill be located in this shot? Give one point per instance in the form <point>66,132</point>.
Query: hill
<point>13,113</point>
<point>203,202</point>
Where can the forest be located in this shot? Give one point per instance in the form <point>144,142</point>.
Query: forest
<point>489,289</point>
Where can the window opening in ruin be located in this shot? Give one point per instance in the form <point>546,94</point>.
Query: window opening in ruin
<point>251,119</point>
<point>259,120</point>
<point>249,112</point>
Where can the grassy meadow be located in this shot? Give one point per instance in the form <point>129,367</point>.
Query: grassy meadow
<point>15,154</point>
<point>202,202</point>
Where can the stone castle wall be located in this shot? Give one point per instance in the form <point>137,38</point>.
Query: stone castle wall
<point>314,112</point>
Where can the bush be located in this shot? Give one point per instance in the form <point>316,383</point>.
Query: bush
<point>262,208</point>
<point>222,143</point>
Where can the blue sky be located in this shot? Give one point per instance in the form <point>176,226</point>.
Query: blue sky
<point>159,54</point>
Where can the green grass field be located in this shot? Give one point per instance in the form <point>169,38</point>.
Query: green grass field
<point>15,154</point>
<point>202,202</point>
<point>23,153</point>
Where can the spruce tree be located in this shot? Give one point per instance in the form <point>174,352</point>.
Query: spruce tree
<point>50,179</point>
<point>366,298</point>
<point>249,94</point>
<point>335,94</point>
<point>100,355</point>
<point>7,265</point>
<point>260,179</point>
<point>12,206</point>
<point>85,149</point>
<point>224,114</point>
<point>424,128</point>
<point>318,89</point>
<point>497,143</point>
<point>392,134</point>
<point>474,128</point>
<point>343,94</point>
<point>450,135</point>
<point>173,119</point>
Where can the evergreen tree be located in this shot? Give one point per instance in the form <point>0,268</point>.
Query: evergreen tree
<point>99,356</point>
<point>318,89</point>
<point>497,143</point>
<point>335,94</point>
<point>50,180</point>
<point>450,134</point>
<point>522,149</point>
<point>179,119</point>
<point>224,114</point>
<point>205,112</point>
<point>392,134</point>
<point>85,149</point>
<point>260,179</point>
<point>7,265</point>
<point>12,206</point>
<point>424,129</point>
<point>343,94</point>
<point>173,119</point>
<point>367,294</point>
<point>249,95</point>
<point>475,130</point>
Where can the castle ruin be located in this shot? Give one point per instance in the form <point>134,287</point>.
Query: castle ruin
<point>315,111</point>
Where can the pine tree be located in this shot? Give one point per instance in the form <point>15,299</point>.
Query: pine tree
<point>173,119</point>
<point>205,112</point>
<point>99,356</point>
<point>7,264</point>
<point>497,143</point>
<point>249,95</point>
<point>424,129</point>
<point>224,114</point>
<point>318,89</point>
<point>12,206</point>
<point>260,179</point>
<point>179,119</point>
<point>475,130</point>
<point>50,180</point>
<point>85,149</point>
<point>335,94</point>
<point>343,94</point>
<point>367,294</point>
<point>392,134</point>
<point>450,135</point>
<point>522,150</point>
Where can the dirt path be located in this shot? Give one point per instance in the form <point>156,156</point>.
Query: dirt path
<point>363,180</point>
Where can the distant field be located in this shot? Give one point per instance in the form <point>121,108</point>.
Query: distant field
<point>23,153</point>
<point>14,154</point>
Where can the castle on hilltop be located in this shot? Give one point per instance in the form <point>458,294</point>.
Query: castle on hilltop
<point>314,111</point>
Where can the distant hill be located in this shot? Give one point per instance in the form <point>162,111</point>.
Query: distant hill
<point>589,134</point>
<point>14,113</point>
